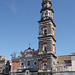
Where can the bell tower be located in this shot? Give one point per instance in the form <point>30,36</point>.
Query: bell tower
<point>47,46</point>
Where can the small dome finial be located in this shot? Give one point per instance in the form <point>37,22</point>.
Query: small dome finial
<point>29,46</point>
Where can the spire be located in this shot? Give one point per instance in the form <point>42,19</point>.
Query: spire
<point>46,0</point>
<point>47,3</point>
<point>46,11</point>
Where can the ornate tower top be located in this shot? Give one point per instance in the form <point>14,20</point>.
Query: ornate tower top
<point>46,11</point>
<point>46,0</point>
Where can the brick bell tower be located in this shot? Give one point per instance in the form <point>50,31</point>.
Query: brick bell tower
<point>47,47</point>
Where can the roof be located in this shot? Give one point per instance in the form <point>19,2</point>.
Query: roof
<point>72,54</point>
<point>62,59</point>
<point>29,50</point>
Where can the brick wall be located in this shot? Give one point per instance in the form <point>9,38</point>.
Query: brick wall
<point>15,65</point>
<point>49,64</point>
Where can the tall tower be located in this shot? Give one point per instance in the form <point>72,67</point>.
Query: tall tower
<point>47,49</point>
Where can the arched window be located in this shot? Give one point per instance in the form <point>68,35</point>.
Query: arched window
<point>46,13</point>
<point>22,64</point>
<point>44,47</point>
<point>44,65</point>
<point>28,63</point>
<point>42,14</point>
<point>45,31</point>
<point>53,47</point>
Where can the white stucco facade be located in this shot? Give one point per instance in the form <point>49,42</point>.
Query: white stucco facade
<point>73,61</point>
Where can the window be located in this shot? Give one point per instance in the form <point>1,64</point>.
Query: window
<point>44,47</point>
<point>67,61</point>
<point>53,31</point>
<point>22,64</point>
<point>28,63</point>
<point>45,31</point>
<point>35,63</point>
<point>53,63</point>
<point>44,65</point>
<point>53,48</point>
<point>46,13</point>
<point>42,14</point>
<point>58,68</point>
<point>27,72</point>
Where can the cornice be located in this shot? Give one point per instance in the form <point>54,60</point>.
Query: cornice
<point>47,36</point>
<point>47,20</point>
<point>43,9</point>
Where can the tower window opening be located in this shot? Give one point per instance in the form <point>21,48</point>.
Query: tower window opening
<point>45,31</point>
<point>44,66</point>
<point>42,14</point>
<point>46,13</point>
<point>53,48</point>
<point>45,47</point>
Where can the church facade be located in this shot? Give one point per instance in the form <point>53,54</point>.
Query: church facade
<point>26,64</point>
<point>44,61</point>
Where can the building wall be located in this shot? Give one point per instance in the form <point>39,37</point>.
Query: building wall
<point>30,73</point>
<point>65,73</point>
<point>15,65</point>
<point>63,63</point>
<point>61,59</point>
<point>2,63</point>
<point>63,68</point>
<point>73,62</point>
<point>2,57</point>
<point>26,61</point>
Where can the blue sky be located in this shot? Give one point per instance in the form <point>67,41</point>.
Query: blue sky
<point>19,25</point>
